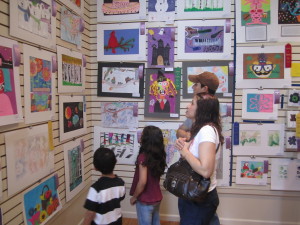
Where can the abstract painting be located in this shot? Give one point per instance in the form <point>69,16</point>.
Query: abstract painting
<point>76,6</point>
<point>161,10</point>
<point>122,142</point>
<point>293,98</point>
<point>291,119</point>
<point>72,116</point>
<point>39,85</point>
<point>33,21</point>
<point>74,168</point>
<point>119,114</point>
<point>29,157</point>
<point>253,171</point>
<point>161,47</point>
<point>203,40</point>
<point>10,95</point>
<point>290,141</point>
<point>121,80</point>
<point>121,42</point>
<point>42,202</point>
<point>71,72</point>
<point>162,94</point>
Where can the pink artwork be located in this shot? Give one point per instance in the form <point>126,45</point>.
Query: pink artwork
<point>260,102</point>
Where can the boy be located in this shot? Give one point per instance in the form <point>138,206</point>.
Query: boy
<point>104,197</point>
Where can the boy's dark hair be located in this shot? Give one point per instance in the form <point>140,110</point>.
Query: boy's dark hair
<point>104,160</point>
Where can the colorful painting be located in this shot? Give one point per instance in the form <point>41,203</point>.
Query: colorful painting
<point>42,202</point>
<point>255,12</point>
<point>294,98</point>
<point>203,5</point>
<point>70,27</point>
<point>30,159</point>
<point>291,119</point>
<point>288,12</point>
<point>161,10</point>
<point>290,141</point>
<point>161,47</point>
<point>119,114</point>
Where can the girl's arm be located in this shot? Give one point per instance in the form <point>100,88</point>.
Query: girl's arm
<point>140,185</point>
<point>88,217</point>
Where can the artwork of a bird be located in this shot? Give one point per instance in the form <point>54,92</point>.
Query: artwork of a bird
<point>113,42</point>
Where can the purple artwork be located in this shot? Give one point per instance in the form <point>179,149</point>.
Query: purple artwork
<point>161,47</point>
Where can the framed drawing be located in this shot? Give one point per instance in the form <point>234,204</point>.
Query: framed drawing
<point>10,94</point>
<point>262,67</point>
<point>203,39</point>
<point>121,80</point>
<point>122,141</point>
<point>75,5</point>
<point>285,174</point>
<point>39,85</point>
<point>71,72</point>
<point>33,22</point>
<point>120,11</point>
<point>72,116</point>
<point>226,117</point>
<point>121,42</point>
<point>220,68</point>
<point>29,157</point>
<point>203,9</point>
<point>294,98</point>
<point>162,98</point>
<point>291,119</point>
<point>263,139</point>
<point>259,105</point>
<point>161,47</point>
<point>290,141</point>
<point>42,202</point>
<point>161,10</point>
<point>119,114</point>
<point>74,168</point>
<point>252,170</point>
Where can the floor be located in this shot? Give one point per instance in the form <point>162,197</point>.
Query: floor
<point>131,221</point>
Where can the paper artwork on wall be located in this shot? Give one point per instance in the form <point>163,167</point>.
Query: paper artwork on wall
<point>291,119</point>
<point>72,116</point>
<point>121,80</point>
<point>33,21</point>
<point>203,39</point>
<point>161,10</point>
<point>258,67</point>
<point>119,114</point>
<point>294,98</point>
<point>70,27</point>
<point>74,168</point>
<point>121,42</point>
<point>120,11</point>
<point>226,116</point>
<point>223,166</point>
<point>76,6</point>
<point>39,85</point>
<point>295,70</point>
<point>202,9</point>
<point>10,94</point>
<point>253,171</point>
<point>122,142</point>
<point>42,202</point>
<point>262,139</point>
<point>161,47</point>
<point>259,105</point>
<point>162,98</point>
<point>29,157</point>
<point>290,141</point>
<point>285,174</point>
<point>71,72</point>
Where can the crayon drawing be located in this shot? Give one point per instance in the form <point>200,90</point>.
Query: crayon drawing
<point>252,170</point>
<point>161,10</point>
<point>288,12</point>
<point>255,12</point>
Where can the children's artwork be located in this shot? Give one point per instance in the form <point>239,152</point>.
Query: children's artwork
<point>39,85</point>
<point>122,142</point>
<point>294,98</point>
<point>70,27</point>
<point>121,42</point>
<point>259,105</point>
<point>252,170</point>
<point>42,202</point>
<point>220,68</point>
<point>202,9</point>
<point>29,157</point>
<point>71,72</point>
<point>33,21</point>
<point>203,39</point>
<point>74,168</point>
<point>162,98</point>
<point>120,10</point>
<point>295,70</point>
<point>72,116</point>
<point>161,47</point>
<point>253,21</point>
<point>121,80</point>
<point>223,166</point>
<point>119,114</point>
<point>226,116</point>
<point>161,10</point>
<point>291,119</point>
<point>285,174</point>
<point>75,5</point>
<point>290,141</point>
<point>10,95</point>
<point>258,67</point>
<point>262,139</point>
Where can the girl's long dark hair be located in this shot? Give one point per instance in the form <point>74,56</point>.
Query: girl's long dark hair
<point>152,145</point>
<point>207,113</point>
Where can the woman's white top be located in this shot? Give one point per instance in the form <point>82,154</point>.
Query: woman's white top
<point>207,134</point>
